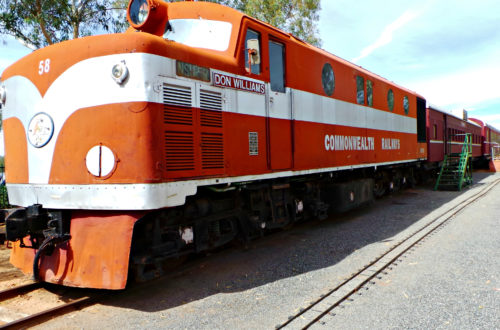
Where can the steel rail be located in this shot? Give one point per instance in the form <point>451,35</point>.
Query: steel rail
<point>79,303</point>
<point>455,210</point>
<point>45,315</point>
<point>19,290</point>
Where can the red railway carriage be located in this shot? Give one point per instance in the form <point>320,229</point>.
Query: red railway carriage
<point>211,125</point>
<point>490,137</point>
<point>445,134</point>
<point>495,142</point>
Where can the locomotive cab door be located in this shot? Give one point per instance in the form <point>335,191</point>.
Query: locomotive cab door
<point>279,111</point>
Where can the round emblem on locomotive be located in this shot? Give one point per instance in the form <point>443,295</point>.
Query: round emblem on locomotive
<point>40,130</point>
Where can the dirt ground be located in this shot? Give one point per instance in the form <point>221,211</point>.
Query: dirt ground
<point>9,275</point>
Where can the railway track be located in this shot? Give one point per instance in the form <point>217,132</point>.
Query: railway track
<point>307,317</point>
<point>22,320</point>
<point>73,298</point>
<point>324,307</point>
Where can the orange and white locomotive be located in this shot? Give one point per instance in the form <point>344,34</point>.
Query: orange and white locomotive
<point>196,126</point>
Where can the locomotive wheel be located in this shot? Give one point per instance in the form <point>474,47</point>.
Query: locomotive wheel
<point>379,189</point>
<point>397,181</point>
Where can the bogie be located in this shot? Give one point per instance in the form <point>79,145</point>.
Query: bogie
<point>213,218</point>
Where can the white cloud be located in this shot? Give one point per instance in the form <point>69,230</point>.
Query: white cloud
<point>491,118</point>
<point>464,89</point>
<point>4,63</point>
<point>386,37</point>
<point>11,50</point>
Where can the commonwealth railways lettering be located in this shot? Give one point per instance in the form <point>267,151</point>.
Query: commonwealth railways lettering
<point>391,144</point>
<point>344,142</point>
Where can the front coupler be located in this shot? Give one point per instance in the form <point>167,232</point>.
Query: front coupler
<point>45,230</point>
<point>37,223</point>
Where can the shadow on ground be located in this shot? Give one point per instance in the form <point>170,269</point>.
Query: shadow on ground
<point>305,248</point>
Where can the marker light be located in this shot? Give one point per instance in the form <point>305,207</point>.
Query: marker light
<point>119,72</point>
<point>3,95</point>
<point>100,161</point>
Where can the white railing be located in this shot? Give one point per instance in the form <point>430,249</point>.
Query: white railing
<point>495,152</point>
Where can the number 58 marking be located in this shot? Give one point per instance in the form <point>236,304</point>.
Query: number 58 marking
<point>44,66</point>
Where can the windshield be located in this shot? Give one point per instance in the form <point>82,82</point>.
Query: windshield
<point>200,33</point>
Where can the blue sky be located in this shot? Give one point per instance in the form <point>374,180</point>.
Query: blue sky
<point>446,50</point>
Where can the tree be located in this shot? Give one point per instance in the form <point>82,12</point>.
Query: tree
<point>38,23</point>
<point>298,17</point>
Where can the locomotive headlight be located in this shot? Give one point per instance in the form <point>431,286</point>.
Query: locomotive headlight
<point>148,15</point>
<point>119,72</point>
<point>3,95</point>
<point>40,130</point>
<point>138,11</point>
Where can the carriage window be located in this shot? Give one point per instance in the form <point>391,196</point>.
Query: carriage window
<point>390,100</point>
<point>369,93</point>
<point>277,66</point>
<point>406,105</point>
<point>360,90</point>
<point>252,52</point>
<point>435,133</point>
<point>328,79</point>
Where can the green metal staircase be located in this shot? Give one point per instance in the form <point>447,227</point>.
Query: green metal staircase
<point>456,171</point>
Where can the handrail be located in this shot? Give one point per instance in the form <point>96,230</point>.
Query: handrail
<point>457,166</point>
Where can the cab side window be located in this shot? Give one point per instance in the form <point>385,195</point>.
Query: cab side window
<point>277,66</point>
<point>369,93</point>
<point>360,90</point>
<point>252,52</point>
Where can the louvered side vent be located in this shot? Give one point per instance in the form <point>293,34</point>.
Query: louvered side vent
<point>212,150</point>
<point>211,108</point>
<point>177,105</point>
<point>179,151</point>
